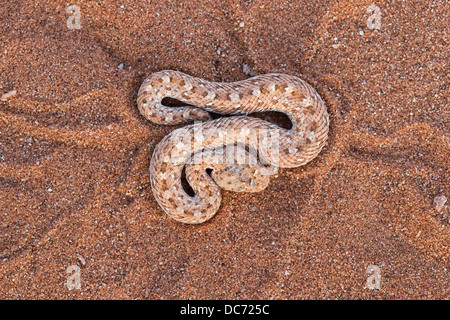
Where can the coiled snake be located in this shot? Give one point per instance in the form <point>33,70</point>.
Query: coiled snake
<point>237,153</point>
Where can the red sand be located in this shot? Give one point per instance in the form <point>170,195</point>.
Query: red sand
<point>74,152</point>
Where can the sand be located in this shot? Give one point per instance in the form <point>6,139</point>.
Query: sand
<point>78,219</point>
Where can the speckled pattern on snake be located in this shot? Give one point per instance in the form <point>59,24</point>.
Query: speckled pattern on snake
<point>236,152</point>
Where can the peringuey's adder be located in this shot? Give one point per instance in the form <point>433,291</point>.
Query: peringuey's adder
<point>238,149</point>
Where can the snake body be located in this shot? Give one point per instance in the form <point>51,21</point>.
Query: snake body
<point>237,150</point>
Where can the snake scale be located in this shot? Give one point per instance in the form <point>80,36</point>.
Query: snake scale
<point>237,152</point>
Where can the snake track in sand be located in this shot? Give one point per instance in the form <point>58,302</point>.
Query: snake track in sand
<point>235,153</point>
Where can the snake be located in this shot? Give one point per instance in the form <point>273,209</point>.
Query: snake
<point>221,143</point>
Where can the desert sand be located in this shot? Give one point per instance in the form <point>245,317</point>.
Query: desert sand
<point>366,219</point>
